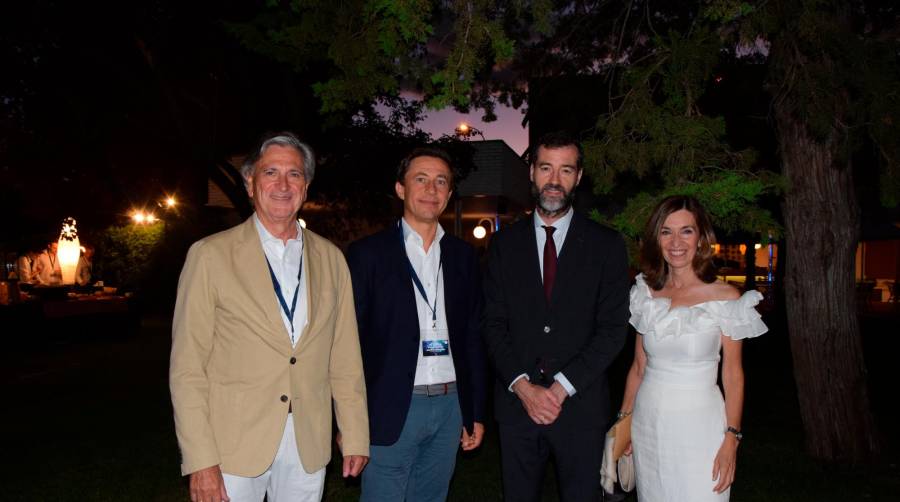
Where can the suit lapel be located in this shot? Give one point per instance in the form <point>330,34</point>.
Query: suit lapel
<point>400,266</point>
<point>314,277</point>
<point>253,273</point>
<point>527,249</point>
<point>451,274</point>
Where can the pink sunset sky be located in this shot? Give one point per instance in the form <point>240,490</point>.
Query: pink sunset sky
<point>507,127</point>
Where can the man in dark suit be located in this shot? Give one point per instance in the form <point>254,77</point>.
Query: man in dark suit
<point>556,307</point>
<point>418,302</point>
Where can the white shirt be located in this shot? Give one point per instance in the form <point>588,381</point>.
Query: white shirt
<point>559,237</point>
<point>47,269</point>
<point>25,264</point>
<point>285,262</point>
<point>84,270</point>
<point>431,369</point>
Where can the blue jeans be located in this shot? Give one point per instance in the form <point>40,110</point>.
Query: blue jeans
<point>418,467</point>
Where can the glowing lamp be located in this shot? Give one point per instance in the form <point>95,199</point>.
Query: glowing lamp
<point>68,251</point>
<point>479,232</point>
<point>150,218</point>
<point>743,248</point>
<point>757,246</point>
<point>138,217</point>
<point>170,202</point>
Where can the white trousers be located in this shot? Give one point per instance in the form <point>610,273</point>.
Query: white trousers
<point>284,480</point>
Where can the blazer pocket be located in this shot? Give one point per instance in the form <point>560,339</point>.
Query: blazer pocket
<point>225,417</point>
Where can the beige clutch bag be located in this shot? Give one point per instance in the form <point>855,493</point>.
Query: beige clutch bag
<point>616,465</point>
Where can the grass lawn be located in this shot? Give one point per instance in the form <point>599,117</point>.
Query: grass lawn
<point>92,420</point>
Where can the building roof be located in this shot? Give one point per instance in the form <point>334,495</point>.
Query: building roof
<point>498,171</point>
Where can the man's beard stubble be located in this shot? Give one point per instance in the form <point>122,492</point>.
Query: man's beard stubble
<point>552,207</point>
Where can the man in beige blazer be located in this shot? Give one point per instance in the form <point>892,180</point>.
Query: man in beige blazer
<point>264,338</point>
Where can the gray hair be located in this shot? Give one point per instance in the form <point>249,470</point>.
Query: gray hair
<point>287,140</point>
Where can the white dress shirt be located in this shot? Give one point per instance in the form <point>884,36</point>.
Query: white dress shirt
<point>285,262</point>
<point>559,237</point>
<point>25,266</point>
<point>47,269</point>
<point>430,369</point>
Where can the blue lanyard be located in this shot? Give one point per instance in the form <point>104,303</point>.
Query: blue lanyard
<point>418,283</point>
<point>288,312</point>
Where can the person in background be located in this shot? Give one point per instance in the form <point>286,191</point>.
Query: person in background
<point>47,271</point>
<point>85,265</point>
<point>26,265</point>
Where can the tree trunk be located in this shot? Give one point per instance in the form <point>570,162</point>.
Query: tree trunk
<point>821,235</point>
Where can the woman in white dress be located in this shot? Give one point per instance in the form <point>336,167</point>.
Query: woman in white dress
<point>684,435</point>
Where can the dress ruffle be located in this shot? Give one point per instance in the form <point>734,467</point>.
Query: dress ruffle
<point>737,319</point>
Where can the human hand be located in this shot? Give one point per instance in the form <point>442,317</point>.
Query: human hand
<point>559,392</point>
<point>540,403</point>
<point>339,439</point>
<point>474,441</point>
<point>207,485</point>
<point>724,464</point>
<point>354,464</point>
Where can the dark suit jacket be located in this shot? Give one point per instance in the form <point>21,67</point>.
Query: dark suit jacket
<point>389,328</point>
<point>579,333</point>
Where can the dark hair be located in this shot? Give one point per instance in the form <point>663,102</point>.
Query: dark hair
<point>425,151</point>
<point>557,139</point>
<point>284,139</point>
<point>653,264</point>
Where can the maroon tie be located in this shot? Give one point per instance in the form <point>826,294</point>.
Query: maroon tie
<point>549,262</point>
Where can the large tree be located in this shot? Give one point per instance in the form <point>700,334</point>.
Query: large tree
<point>834,81</point>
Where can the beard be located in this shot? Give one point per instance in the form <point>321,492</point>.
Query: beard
<point>552,206</point>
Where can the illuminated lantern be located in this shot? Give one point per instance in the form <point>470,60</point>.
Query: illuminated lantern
<point>69,251</point>
<point>479,232</point>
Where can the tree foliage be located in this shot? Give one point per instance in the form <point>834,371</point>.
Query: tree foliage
<point>126,254</point>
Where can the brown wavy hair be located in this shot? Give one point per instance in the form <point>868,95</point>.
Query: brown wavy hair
<point>653,264</point>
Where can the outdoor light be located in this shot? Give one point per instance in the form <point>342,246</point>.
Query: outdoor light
<point>138,217</point>
<point>68,251</point>
<point>757,246</point>
<point>302,222</point>
<point>465,131</point>
<point>150,218</point>
<point>480,231</point>
<point>743,248</point>
<point>716,248</point>
<point>170,201</point>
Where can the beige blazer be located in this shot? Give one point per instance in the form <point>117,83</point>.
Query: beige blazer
<point>231,372</point>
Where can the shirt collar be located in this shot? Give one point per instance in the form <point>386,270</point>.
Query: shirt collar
<point>411,235</point>
<point>561,225</point>
<point>266,236</point>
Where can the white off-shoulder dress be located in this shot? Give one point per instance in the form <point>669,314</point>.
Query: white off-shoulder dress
<point>679,413</point>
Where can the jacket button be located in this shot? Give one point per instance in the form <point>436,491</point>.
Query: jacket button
<point>293,360</point>
<point>284,398</point>
<point>546,329</point>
